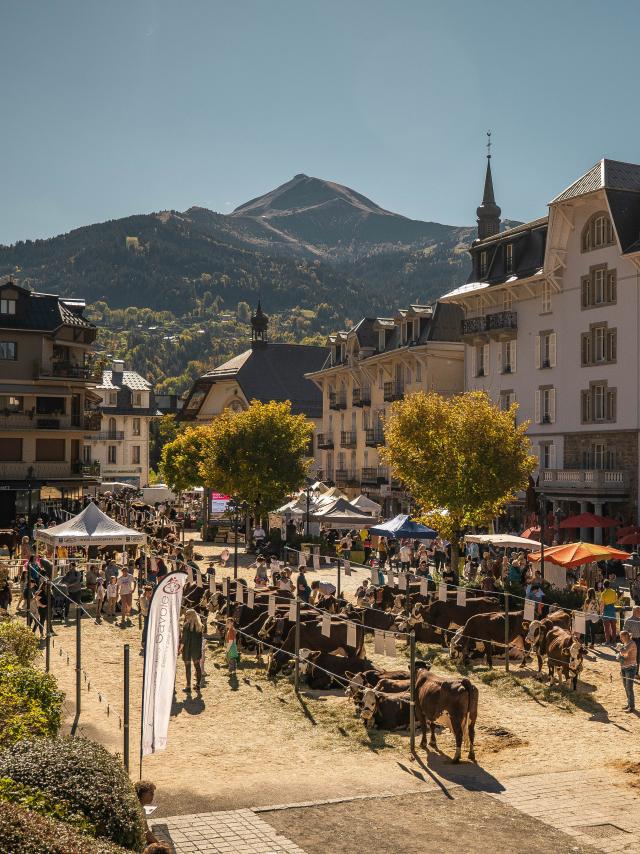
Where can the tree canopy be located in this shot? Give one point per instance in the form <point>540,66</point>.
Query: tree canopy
<point>461,458</point>
<point>259,455</point>
<point>180,459</point>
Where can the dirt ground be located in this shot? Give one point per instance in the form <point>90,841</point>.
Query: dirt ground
<point>416,823</point>
<point>254,743</point>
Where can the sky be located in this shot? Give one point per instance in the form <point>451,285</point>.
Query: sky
<point>131,106</point>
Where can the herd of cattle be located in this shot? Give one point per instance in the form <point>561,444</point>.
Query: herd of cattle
<point>337,658</point>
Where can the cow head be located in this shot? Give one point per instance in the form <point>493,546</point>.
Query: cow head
<point>576,651</point>
<point>355,687</point>
<point>307,658</point>
<point>398,604</point>
<point>267,628</point>
<point>369,707</point>
<point>534,635</point>
<point>458,645</point>
<point>277,662</point>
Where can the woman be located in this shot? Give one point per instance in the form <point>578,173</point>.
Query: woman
<point>39,607</point>
<point>190,647</point>
<point>628,658</point>
<point>25,549</point>
<point>302,585</point>
<point>592,618</point>
<point>608,601</point>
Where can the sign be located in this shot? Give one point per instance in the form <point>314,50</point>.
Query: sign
<point>402,581</point>
<point>461,596</point>
<point>292,610</point>
<point>347,567</point>
<point>271,609</point>
<point>579,623</point>
<point>239,593</point>
<point>218,503</point>
<point>529,609</point>
<point>424,587</point>
<point>326,625</point>
<point>212,583</point>
<point>251,599</point>
<point>161,653</point>
<point>378,644</point>
<point>389,644</point>
<point>442,592</point>
<point>351,634</point>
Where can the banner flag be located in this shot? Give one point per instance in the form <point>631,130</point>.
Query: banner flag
<point>346,565</point>
<point>378,643</point>
<point>271,608</point>
<point>326,625</point>
<point>424,587</point>
<point>239,593</point>
<point>212,583</point>
<point>190,575</point>
<point>389,644</point>
<point>352,637</point>
<point>292,610</point>
<point>161,654</point>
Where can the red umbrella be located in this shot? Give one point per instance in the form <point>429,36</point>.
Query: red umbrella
<point>587,520</point>
<point>629,529</point>
<point>531,533</point>
<point>630,539</point>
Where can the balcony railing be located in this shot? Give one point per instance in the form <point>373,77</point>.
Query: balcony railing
<point>586,480</point>
<point>372,476</point>
<point>393,391</point>
<point>22,421</point>
<point>338,400</point>
<point>348,439</point>
<point>345,477</point>
<point>69,371</point>
<point>325,441</point>
<point>373,438</point>
<point>361,396</point>
<point>500,321</point>
<point>47,470</point>
<point>106,435</point>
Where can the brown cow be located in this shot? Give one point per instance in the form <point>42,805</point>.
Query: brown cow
<point>311,637</point>
<point>450,702</point>
<point>538,629</point>
<point>487,630</point>
<point>385,711</point>
<point>441,616</point>
<point>565,653</point>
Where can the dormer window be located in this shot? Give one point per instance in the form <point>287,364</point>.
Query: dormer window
<point>484,263</point>
<point>137,398</point>
<point>7,306</point>
<point>508,258</point>
<point>598,232</point>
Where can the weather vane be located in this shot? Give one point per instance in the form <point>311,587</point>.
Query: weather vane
<point>488,145</point>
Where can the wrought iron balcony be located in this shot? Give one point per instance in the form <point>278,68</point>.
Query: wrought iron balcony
<point>345,477</point>
<point>348,439</point>
<point>372,476</point>
<point>338,400</point>
<point>361,396</point>
<point>374,437</point>
<point>393,391</point>
<point>325,441</point>
<point>501,321</point>
<point>69,371</point>
<point>106,436</point>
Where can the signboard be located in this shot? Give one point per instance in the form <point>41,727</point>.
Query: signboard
<point>218,503</point>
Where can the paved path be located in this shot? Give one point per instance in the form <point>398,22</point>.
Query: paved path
<point>596,808</point>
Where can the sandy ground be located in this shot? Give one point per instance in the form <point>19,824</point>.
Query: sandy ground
<point>255,743</point>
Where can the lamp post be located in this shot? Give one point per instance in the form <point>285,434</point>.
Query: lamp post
<point>542,517</point>
<point>235,507</point>
<point>309,491</point>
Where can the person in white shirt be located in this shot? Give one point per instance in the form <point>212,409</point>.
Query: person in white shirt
<point>320,589</point>
<point>405,557</point>
<point>126,584</point>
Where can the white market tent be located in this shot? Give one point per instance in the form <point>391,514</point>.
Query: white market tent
<point>505,540</point>
<point>364,503</point>
<point>92,527</point>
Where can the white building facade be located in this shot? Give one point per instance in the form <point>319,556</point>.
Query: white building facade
<point>122,445</point>
<point>552,312</point>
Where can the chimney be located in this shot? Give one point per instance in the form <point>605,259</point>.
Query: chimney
<point>118,366</point>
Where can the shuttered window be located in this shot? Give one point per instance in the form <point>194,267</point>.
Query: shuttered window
<point>11,450</point>
<point>599,288</point>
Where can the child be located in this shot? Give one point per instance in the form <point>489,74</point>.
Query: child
<point>100,594</point>
<point>112,595</point>
<point>232,649</point>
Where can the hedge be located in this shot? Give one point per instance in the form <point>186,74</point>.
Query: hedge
<point>86,777</point>
<point>17,640</point>
<point>33,799</point>
<point>25,832</point>
<point>30,702</point>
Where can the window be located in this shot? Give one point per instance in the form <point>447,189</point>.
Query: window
<point>547,455</point>
<point>507,301</point>
<point>50,405</point>
<point>508,258</point>
<point>599,457</point>
<point>506,399</point>
<point>50,450</point>
<point>546,350</point>
<point>545,300</point>
<point>507,354</point>
<point>599,288</point>
<point>545,409</point>
<point>484,263</point>
<point>86,454</point>
<point>8,403</point>
<point>598,403</point>
<point>112,398</point>
<point>7,306</point>
<point>137,398</point>
<point>598,232</point>
<point>599,345</point>
<point>136,427</point>
<point>112,452</point>
<point>135,455</point>
<point>112,427</point>
<point>480,360</point>
<point>10,450</point>
<point>8,351</point>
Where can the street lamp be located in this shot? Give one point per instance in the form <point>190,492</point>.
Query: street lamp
<point>309,491</point>
<point>542,517</point>
<point>236,507</point>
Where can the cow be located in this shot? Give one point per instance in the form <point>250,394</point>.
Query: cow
<point>441,616</point>
<point>450,702</point>
<point>370,618</point>
<point>311,637</point>
<point>538,629</point>
<point>276,628</point>
<point>314,664</point>
<point>385,711</point>
<point>9,539</point>
<point>359,682</point>
<point>489,631</point>
<point>564,653</point>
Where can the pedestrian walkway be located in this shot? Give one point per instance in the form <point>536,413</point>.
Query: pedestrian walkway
<point>231,832</point>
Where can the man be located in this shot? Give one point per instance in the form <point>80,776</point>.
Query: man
<point>362,592</point>
<point>627,656</point>
<point>321,588</point>
<point>259,535</point>
<point>72,579</point>
<point>632,625</point>
<point>405,557</point>
<point>126,586</point>
<point>346,544</point>
<point>146,792</point>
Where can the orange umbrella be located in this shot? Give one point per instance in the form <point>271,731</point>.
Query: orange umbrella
<point>569,555</point>
<point>530,533</point>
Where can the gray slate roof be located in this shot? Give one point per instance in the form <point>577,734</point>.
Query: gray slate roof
<point>605,174</point>
<point>130,379</point>
<point>41,312</point>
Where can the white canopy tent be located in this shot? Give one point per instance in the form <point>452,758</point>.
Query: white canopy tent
<point>364,503</point>
<point>505,540</point>
<point>92,527</point>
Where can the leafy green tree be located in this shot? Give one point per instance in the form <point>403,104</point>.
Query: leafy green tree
<point>161,431</point>
<point>258,455</point>
<point>461,458</point>
<point>180,463</point>
<point>244,312</point>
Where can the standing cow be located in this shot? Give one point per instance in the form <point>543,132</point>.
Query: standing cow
<point>450,702</point>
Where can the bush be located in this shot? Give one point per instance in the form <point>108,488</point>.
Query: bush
<point>30,702</point>
<point>19,641</point>
<point>33,799</point>
<point>25,832</point>
<point>84,775</point>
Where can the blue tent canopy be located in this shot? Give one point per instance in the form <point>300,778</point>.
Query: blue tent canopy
<point>402,527</point>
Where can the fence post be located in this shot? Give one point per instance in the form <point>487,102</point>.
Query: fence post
<point>412,696</point>
<point>125,722</point>
<point>78,668</point>
<point>338,587</point>
<point>506,631</point>
<point>47,649</point>
<point>28,595</point>
<point>297,661</point>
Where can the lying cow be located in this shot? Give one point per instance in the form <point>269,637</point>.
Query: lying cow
<point>564,653</point>
<point>450,702</point>
<point>359,682</point>
<point>486,631</point>
<point>276,628</point>
<point>311,637</point>
<point>314,664</point>
<point>385,711</point>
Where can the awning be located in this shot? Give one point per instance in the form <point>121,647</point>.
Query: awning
<point>402,527</point>
<point>505,540</point>
<point>92,527</point>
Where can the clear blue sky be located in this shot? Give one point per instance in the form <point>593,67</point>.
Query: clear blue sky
<point>115,107</point>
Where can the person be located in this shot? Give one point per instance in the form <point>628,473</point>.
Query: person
<point>362,591</point>
<point>39,606</point>
<point>632,625</point>
<point>5,594</point>
<point>302,585</point>
<point>232,653</point>
<point>628,658</point>
<point>261,579</point>
<point>439,553</point>
<point>190,647</point>
<point>91,579</point>
<point>382,552</point>
<point>101,592</point>
<point>405,557</point>
<point>73,581</point>
<point>592,617</point>
<point>112,595</point>
<point>126,585</point>
<point>146,792</point>
<point>25,549</point>
<point>346,544</point>
<point>366,545</point>
<point>284,582</point>
<point>450,577</point>
<point>259,535</point>
<point>159,848</point>
<point>608,600</point>
<point>111,569</point>
<point>145,602</point>
<point>321,588</point>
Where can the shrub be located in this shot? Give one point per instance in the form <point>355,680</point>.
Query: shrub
<point>84,775</point>
<point>25,832</point>
<point>19,641</point>
<point>33,799</point>
<point>30,702</point>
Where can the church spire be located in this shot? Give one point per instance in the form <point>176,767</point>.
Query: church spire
<point>259,325</point>
<point>488,212</point>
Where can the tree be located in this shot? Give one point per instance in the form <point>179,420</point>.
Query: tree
<point>244,312</point>
<point>461,458</point>
<point>181,459</point>
<point>258,455</point>
<point>161,431</point>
